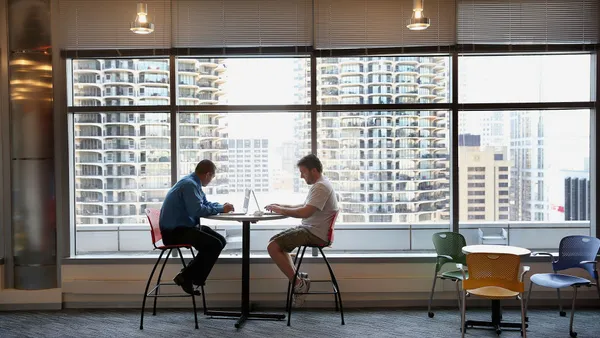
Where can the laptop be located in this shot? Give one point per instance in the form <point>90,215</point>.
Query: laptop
<point>245,207</point>
<point>262,213</point>
<point>244,211</point>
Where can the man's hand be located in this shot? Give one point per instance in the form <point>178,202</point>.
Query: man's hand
<point>227,208</point>
<point>276,208</point>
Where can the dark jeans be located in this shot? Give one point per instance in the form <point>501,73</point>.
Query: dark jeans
<point>206,241</point>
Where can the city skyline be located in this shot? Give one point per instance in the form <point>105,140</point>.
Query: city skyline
<point>243,81</point>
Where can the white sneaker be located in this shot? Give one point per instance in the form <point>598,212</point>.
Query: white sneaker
<point>300,291</point>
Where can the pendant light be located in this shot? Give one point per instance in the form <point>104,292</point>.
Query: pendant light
<point>141,25</point>
<point>418,22</point>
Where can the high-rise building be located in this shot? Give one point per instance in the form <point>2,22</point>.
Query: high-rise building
<point>570,201</point>
<point>543,144</point>
<point>491,126</point>
<point>248,165</point>
<point>387,166</point>
<point>284,173</point>
<point>483,182</point>
<point>123,159</point>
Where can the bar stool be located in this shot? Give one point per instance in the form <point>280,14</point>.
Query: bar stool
<point>153,218</point>
<point>333,280</point>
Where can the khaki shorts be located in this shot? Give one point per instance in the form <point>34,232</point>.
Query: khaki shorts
<point>292,238</point>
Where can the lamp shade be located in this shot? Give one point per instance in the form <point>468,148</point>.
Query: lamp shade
<point>141,25</point>
<point>418,21</point>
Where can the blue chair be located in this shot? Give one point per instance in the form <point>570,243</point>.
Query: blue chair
<point>573,252</point>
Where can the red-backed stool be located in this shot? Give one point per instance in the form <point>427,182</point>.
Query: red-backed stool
<point>336,288</point>
<point>153,217</point>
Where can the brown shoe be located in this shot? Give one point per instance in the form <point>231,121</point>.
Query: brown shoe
<point>185,284</point>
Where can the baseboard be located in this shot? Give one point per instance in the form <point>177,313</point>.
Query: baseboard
<point>31,307</point>
<point>320,304</point>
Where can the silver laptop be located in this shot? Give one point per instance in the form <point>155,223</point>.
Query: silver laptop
<point>258,206</point>
<point>244,211</point>
<point>246,203</point>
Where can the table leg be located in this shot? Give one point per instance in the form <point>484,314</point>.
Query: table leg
<point>245,311</point>
<point>496,312</point>
<point>496,320</point>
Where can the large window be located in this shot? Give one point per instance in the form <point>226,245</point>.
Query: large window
<point>123,162</point>
<point>524,78</point>
<point>118,82</point>
<point>387,167</point>
<point>243,81</point>
<point>520,170</point>
<point>383,80</point>
<point>533,176</point>
<point>249,154</point>
<point>122,166</point>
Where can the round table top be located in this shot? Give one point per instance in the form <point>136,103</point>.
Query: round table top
<point>496,249</point>
<point>246,218</point>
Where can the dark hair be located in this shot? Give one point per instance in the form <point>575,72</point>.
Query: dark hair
<point>205,166</point>
<point>311,162</point>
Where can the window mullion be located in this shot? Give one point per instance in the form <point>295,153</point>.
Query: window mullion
<point>455,197</point>
<point>174,118</point>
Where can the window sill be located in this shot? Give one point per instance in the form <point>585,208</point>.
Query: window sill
<point>263,258</point>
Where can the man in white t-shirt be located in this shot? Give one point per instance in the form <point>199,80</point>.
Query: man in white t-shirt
<point>317,213</point>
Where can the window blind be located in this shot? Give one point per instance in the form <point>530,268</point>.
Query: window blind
<point>381,23</point>
<point>527,21</point>
<point>92,24</point>
<point>242,23</point>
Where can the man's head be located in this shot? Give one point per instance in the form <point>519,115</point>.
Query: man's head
<point>310,168</point>
<point>205,170</point>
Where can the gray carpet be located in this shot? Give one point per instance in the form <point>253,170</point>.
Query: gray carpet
<point>305,323</point>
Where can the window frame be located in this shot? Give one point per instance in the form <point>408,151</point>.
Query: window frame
<point>453,106</point>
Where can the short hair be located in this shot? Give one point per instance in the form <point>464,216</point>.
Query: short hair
<point>311,162</point>
<point>205,166</point>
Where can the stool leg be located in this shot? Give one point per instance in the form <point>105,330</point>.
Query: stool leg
<point>203,300</point>
<point>294,284</point>
<point>193,296</point>
<point>148,286</point>
<point>287,298</point>
<point>158,281</point>
<point>201,287</point>
<point>335,283</point>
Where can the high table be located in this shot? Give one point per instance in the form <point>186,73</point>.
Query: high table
<point>496,309</point>
<point>245,313</point>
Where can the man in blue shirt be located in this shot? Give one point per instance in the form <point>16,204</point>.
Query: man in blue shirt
<point>179,224</point>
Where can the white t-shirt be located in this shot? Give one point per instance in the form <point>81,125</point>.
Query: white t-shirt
<point>322,197</point>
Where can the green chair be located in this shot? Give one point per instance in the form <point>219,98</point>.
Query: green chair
<point>448,246</point>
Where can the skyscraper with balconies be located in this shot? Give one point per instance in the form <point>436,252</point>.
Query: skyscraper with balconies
<point>123,159</point>
<point>387,166</point>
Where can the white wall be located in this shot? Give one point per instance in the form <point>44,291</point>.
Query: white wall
<point>362,284</point>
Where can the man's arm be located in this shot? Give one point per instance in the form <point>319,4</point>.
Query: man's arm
<point>303,211</point>
<point>290,206</point>
<point>197,205</point>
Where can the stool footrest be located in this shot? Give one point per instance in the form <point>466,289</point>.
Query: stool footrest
<point>169,296</point>
<point>321,281</point>
<point>316,293</point>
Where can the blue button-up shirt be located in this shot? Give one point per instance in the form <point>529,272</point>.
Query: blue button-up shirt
<point>185,204</point>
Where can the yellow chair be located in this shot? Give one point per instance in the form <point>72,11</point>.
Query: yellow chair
<point>495,277</point>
